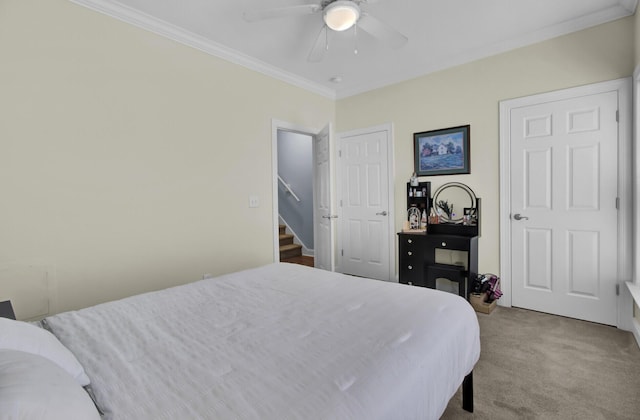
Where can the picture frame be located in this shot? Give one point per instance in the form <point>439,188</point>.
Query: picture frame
<point>442,152</point>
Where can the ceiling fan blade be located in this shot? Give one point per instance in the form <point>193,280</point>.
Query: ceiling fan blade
<point>303,9</point>
<point>382,31</point>
<point>319,46</point>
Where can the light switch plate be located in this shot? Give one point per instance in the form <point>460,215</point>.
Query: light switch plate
<point>254,201</point>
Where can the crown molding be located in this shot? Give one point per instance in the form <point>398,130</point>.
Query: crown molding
<point>624,9</point>
<point>168,30</point>
<point>114,9</point>
<point>630,5</point>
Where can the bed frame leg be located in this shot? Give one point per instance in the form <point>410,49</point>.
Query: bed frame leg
<point>467,393</point>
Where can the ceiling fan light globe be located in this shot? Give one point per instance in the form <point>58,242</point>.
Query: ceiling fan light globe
<point>341,15</point>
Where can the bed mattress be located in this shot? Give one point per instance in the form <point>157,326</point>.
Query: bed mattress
<point>281,341</point>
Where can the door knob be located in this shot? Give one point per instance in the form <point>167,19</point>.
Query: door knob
<point>382,213</point>
<point>517,216</point>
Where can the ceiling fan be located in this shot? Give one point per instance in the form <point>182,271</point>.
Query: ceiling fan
<point>337,15</point>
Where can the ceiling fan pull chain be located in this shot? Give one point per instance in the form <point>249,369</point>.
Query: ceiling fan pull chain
<point>326,40</point>
<point>355,36</point>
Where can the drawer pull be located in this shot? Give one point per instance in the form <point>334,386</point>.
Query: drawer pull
<point>410,241</point>
<point>409,253</point>
<point>410,267</point>
<point>444,244</point>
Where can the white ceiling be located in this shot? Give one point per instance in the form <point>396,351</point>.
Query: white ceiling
<point>442,33</point>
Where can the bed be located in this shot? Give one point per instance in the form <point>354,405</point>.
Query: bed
<point>281,341</point>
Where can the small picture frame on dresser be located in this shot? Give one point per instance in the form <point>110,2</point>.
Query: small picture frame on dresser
<point>470,217</point>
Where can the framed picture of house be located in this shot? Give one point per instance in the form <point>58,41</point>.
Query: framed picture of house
<point>442,152</point>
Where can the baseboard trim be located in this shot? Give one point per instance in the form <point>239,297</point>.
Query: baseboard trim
<point>636,332</point>
<point>634,290</point>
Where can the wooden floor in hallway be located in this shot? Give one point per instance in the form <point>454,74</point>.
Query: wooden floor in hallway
<point>302,260</point>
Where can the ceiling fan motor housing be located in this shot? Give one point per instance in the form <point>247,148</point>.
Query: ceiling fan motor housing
<point>341,15</point>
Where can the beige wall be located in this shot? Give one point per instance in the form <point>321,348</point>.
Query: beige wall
<point>126,159</point>
<point>470,94</point>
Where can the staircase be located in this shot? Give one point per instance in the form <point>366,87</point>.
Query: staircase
<point>287,248</point>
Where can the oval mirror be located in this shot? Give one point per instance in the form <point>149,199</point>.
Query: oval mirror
<point>450,200</point>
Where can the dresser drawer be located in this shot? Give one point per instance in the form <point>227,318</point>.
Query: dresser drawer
<point>411,250</point>
<point>411,245</point>
<point>411,241</point>
<point>459,243</point>
<point>412,272</point>
<point>408,252</point>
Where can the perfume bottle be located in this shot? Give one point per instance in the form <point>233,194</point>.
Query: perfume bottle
<point>433,218</point>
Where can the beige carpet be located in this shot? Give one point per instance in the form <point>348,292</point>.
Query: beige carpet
<point>540,366</point>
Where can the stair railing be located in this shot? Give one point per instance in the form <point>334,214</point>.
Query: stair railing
<point>288,187</point>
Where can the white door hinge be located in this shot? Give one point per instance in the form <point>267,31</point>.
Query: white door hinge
<point>342,252</point>
<point>617,115</point>
<point>617,203</point>
<point>617,290</point>
<point>339,153</point>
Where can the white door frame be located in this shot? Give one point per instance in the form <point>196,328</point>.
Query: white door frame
<point>630,299</point>
<point>391,231</point>
<point>636,177</point>
<point>625,222</point>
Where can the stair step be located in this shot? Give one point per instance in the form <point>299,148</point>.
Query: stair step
<point>282,229</point>
<point>290,250</point>
<point>286,239</point>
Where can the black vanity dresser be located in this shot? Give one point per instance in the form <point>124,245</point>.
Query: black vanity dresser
<point>417,250</point>
<point>6,310</point>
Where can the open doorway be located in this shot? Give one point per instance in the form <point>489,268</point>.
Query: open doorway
<point>302,205</point>
<point>295,197</point>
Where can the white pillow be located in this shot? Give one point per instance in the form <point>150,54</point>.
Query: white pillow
<point>32,387</point>
<point>22,336</point>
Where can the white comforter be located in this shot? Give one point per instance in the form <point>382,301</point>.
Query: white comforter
<point>277,342</point>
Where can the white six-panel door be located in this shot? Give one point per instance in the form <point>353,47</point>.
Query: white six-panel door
<point>564,217</point>
<point>366,219</point>
<point>322,216</point>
